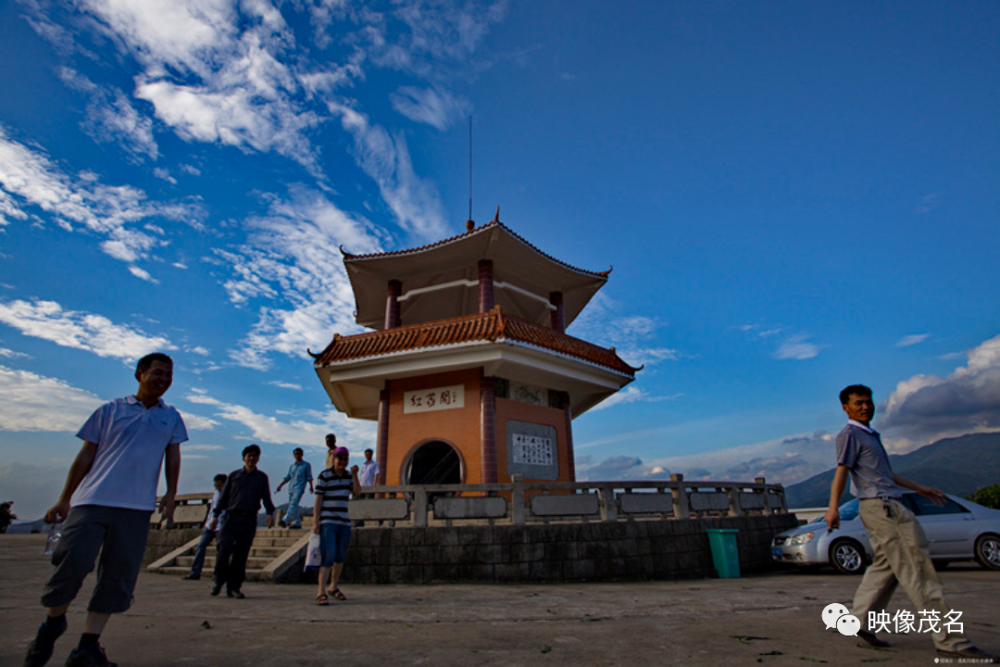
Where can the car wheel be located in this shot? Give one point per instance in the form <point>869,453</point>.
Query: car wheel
<point>988,551</point>
<point>848,557</point>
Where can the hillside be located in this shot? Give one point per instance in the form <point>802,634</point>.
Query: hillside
<point>955,465</point>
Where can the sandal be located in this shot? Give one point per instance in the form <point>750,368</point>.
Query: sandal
<point>338,595</point>
<point>322,600</point>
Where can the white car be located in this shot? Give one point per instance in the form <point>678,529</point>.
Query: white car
<point>957,530</point>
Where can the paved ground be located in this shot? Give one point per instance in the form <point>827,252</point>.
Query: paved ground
<point>770,620</point>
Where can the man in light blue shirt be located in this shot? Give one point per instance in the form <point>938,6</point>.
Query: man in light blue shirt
<point>107,501</point>
<point>299,474</point>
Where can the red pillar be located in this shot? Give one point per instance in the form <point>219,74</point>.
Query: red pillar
<point>488,430</point>
<point>485,285</point>
<point>382,447</point>
<point>559,314</point>
<point>392,304</point>
<point>570,456</point>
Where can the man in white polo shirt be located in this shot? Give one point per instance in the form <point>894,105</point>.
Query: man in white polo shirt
<point>109,495</point>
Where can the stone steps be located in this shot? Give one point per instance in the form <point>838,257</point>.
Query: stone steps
<point>269,546</point>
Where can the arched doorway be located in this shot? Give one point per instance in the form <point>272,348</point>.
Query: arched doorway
<point>434,462</point>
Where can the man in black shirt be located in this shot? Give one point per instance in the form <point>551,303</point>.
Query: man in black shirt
<point>241,498</point>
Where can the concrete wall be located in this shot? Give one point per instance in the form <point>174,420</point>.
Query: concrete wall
<point>606,551</point>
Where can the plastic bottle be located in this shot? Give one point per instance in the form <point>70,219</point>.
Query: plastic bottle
<point>53,539</point>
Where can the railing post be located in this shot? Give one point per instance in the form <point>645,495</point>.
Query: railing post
<point>420,507</point>
<point>735,508</point>
<point>609,508</point>
<point>681,508</point>
<point>767,496</point>
<point>518,505</point>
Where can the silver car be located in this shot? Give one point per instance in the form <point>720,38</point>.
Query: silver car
<point>957,530</point>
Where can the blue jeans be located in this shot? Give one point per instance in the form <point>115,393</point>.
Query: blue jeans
<point>333,541</point>
<point>199,556</point>
<point>294,516</point>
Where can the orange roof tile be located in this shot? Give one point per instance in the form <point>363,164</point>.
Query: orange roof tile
<point>493,326</point>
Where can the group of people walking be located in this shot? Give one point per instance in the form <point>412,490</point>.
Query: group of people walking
<point>110,495</point>
<point>232,517</point>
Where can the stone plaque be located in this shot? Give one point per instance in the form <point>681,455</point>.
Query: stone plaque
<point>532,450</point>
<point>432,400</point>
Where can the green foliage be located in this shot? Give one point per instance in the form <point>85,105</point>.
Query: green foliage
<point>6,515</point>
<point>987,496</point>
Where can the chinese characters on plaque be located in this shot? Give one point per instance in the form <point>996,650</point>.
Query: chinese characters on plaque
<point>532,450</point>
<point>432,400</point>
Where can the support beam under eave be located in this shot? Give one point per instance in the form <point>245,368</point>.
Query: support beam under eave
<point>392,319</point>
<point>485,285</point>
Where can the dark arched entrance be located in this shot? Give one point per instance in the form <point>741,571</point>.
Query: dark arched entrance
<point>434,462</point>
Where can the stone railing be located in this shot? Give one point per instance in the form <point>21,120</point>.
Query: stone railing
<point>520,503</point>
<point>190,511</point>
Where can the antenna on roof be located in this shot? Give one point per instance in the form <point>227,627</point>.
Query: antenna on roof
<point>470,174</point>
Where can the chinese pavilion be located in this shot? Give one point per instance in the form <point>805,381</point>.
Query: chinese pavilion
<point>469,371</point>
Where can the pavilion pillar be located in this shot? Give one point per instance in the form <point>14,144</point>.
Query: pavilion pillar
<point>558,314</point>
<point>570,456</point>
<point>392,319</point>
<point>382,446</point>
<point>488,430</point>
<point>485,285</point>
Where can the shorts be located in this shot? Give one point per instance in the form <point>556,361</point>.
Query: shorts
<point>333,541</point>
<point>119,536</point>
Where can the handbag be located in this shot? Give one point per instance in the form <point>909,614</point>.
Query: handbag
<point>313,556</point>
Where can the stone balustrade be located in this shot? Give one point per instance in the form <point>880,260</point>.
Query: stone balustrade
<point>520,503</point>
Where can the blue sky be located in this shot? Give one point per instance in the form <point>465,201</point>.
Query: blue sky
<point>794,197</point>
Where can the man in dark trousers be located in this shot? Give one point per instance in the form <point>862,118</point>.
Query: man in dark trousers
<point>241,497</point>
<point>109,495</point>
<point>899,543</point>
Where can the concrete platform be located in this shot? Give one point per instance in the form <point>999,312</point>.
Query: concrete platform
<point>770,620</point>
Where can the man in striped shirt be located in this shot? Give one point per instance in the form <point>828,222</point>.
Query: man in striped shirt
<point>331,521</point>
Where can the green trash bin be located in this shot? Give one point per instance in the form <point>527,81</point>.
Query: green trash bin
<point>725,555</point>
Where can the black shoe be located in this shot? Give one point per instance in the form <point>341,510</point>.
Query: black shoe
<point>192,577</point>
<point>40,650</point>
<point>976,655</point>
<point>236,594</point>
<point>92,657</point>
<point>215,589</point>
<point>870,639</point>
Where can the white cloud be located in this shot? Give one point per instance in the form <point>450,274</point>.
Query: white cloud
<point>432,106</point>
<point>912,339</point>
<point>926,408</point>
<point>292,261</point>
<point>31,179</point>
<point>797,347</point>
<point>286,385</point>
<point>27,400</point>
<point>311,432</point>
<point>83,331</point>
<point>142,274</point>
<point>631,394</point>
<point>784,460</point>
<point>632,336</point>
<point>196,423</point>
<point>386,159</point>
<point>111,118</point>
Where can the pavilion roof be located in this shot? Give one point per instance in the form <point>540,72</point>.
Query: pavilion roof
<point>524,276</point>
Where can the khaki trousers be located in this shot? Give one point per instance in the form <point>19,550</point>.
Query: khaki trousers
<point>901,558</point>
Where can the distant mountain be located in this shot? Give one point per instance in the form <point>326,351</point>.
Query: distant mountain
<point>957,466</point>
